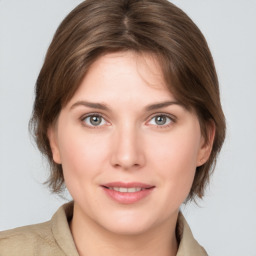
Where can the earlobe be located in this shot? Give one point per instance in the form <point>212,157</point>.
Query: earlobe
<point>206,145</point>
<point>51,133</point>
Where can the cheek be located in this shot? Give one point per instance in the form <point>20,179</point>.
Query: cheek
<point>176,150</point>
<point>175,158</point>
<point>82,154</point>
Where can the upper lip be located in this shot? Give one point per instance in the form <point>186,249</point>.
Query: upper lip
<point>127,185</point>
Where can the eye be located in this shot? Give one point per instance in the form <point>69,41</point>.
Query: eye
<point>94,120</point>
<point>161,120</point>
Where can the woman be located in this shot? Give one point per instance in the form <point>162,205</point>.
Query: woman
<point>127,110</point>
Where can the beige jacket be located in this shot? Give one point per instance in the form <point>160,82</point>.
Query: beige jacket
<point>53,238</point>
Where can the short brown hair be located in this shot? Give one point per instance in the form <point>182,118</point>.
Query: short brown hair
<point>97,27</point>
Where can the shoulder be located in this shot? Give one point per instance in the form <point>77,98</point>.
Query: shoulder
<point>188,244</point>
<point>52,238</point>
<point>27,240</point>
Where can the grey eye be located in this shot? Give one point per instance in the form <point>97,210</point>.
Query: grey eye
<point>160,120</point>
<point>94,120</point>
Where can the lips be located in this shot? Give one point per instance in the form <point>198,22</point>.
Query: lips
<point>126,190</point>
<point>127,193</point>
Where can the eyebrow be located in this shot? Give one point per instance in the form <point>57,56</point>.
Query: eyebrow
<point>162,105</point>
<point>91,105</point>
<point>102,106</point>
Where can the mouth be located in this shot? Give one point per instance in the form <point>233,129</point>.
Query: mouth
<point>127,193</point>
<point>126,190</point>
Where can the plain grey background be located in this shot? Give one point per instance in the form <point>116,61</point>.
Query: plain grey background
<point>225,221</point>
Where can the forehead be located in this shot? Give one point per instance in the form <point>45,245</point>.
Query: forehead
<point>124,75</point>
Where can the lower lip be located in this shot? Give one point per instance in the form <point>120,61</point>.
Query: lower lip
<point>127,198</point>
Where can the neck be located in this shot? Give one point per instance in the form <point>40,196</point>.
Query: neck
<point>91,239</point>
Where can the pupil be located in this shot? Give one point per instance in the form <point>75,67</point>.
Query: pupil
<point>95,120</point>
<point>160,120</point>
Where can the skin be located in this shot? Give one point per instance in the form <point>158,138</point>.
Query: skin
<point>128,145</point>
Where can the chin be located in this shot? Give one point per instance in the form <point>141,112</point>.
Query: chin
<point>128,228</point>
<point>129,223</point>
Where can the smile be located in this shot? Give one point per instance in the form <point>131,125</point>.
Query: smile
<point>127,193</point>
<point>126,190</point>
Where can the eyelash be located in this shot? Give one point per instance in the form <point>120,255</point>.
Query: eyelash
<point>92,115</point>
<point>172,118</point>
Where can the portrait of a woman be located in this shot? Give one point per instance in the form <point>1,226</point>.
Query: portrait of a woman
<point>127,111</point>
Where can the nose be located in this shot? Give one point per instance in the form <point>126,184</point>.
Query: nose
<point>127,149</point>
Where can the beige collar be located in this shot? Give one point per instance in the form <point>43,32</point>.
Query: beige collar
<point>60,228</point>
<point>188,245</point>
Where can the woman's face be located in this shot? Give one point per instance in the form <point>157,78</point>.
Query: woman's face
<point>128,148</point>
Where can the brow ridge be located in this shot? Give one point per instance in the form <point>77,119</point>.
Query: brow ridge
<point>95,105</point>
<point>103,106</point>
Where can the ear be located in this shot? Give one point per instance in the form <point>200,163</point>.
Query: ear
<point>52,137</point>
<point>206,145</point>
